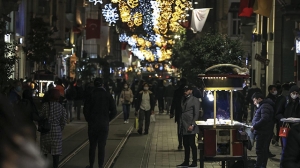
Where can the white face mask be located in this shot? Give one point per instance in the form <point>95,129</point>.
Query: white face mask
<point>125,87</point>
<point>275,92</point>
<point>146,88</point>
<point>294,96</point>
<point>257,105</point>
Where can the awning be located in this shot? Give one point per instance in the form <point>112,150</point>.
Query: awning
<point>234,7</point>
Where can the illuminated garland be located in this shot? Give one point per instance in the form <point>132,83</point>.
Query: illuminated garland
<point>158,18</point>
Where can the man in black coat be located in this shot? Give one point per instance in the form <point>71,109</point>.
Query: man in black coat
<point>176,107</point>
<point>99,109</point>
<point>262,126</point>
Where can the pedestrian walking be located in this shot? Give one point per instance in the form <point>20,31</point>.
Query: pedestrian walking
<point>262,126</point>
<point>188,128</point>
<point>70,96</point>
<point>292,109</point>
<point>176,109</point>
<point>273,96</point>
<point>168,95</point>
<point>99,109</point>
<point>291,156</point>
<point>144,108</point>
<point>159,95</point>
<point>78,101</point>
<point>51,142</point>
<point>126,98</point>
<point>17,149</point>
<point>280,105</point>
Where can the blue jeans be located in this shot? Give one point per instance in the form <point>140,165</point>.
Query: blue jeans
<point>283,140</point>
<point>126,111</point>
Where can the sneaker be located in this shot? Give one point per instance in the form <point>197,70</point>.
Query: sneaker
<point>184,164</point>
<point>180,147</point>
<point>146,133</point>
<point>125,122</point>
<point>193,165</point>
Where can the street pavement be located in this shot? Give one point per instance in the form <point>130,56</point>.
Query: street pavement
<point>158,149</point>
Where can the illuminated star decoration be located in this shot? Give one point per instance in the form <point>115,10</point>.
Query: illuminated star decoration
<point>96,1</point>
<point>110,13</point>
<point>123,37</point>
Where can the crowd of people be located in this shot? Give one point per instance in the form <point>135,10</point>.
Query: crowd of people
<point>181,100</point>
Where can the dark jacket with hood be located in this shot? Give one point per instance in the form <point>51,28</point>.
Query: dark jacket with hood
<point>99,109</point>
<point>291,156</point>
<point>288,108</point>
<point>263,119</point>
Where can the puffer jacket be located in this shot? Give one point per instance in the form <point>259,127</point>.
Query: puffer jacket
<point>291,156</point>
<point>263,120</point>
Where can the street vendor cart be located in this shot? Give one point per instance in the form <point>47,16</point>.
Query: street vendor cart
<point>223,139</point>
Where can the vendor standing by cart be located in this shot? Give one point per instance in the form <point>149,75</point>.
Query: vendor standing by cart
<point>190,113</point>
<point>262,125</point>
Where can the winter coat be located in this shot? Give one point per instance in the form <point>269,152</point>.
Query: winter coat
<point>70,93</point>
<point>176,103</point>
<point>51,142</point>
<point>139,100</point>
<point>262,121</point>
<point>291,156</point>
<point>169,91</point>
<point>126,95</point>
<point>99,108</point>
<point>272,97</point>
<point>286,108</point>
<point>190,114</point>
<point>79,93</point>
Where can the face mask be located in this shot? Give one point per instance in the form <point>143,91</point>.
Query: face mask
<point>257,105</point>
<point>18,89</point>
<point>125,87</point>
<point>274,93</point>
<point>146,88</point>
<point>294,96</point>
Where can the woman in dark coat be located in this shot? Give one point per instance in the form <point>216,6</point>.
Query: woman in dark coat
<point>51,142</point>
<point>291,156</point>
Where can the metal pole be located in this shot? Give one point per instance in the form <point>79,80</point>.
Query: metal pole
<point>231,106</point>
<point>215,107</point>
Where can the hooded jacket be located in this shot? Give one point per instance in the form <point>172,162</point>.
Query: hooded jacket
<point>263,119</point>
<point>291,156</point>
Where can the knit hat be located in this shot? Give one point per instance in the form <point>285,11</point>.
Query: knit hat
<point>294,88</point>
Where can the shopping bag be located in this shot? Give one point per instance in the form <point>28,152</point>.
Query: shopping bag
<point>136,123</point>
<point>284,130</point>
<point>152,118</point>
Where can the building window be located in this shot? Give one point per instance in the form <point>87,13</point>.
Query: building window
<point>235,24</point>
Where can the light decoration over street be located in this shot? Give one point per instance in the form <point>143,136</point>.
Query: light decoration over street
<point>96,1</point>
<point>110,14</point>
<point>150,23</point>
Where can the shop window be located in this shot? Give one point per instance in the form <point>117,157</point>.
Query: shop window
<point>235,24</point>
